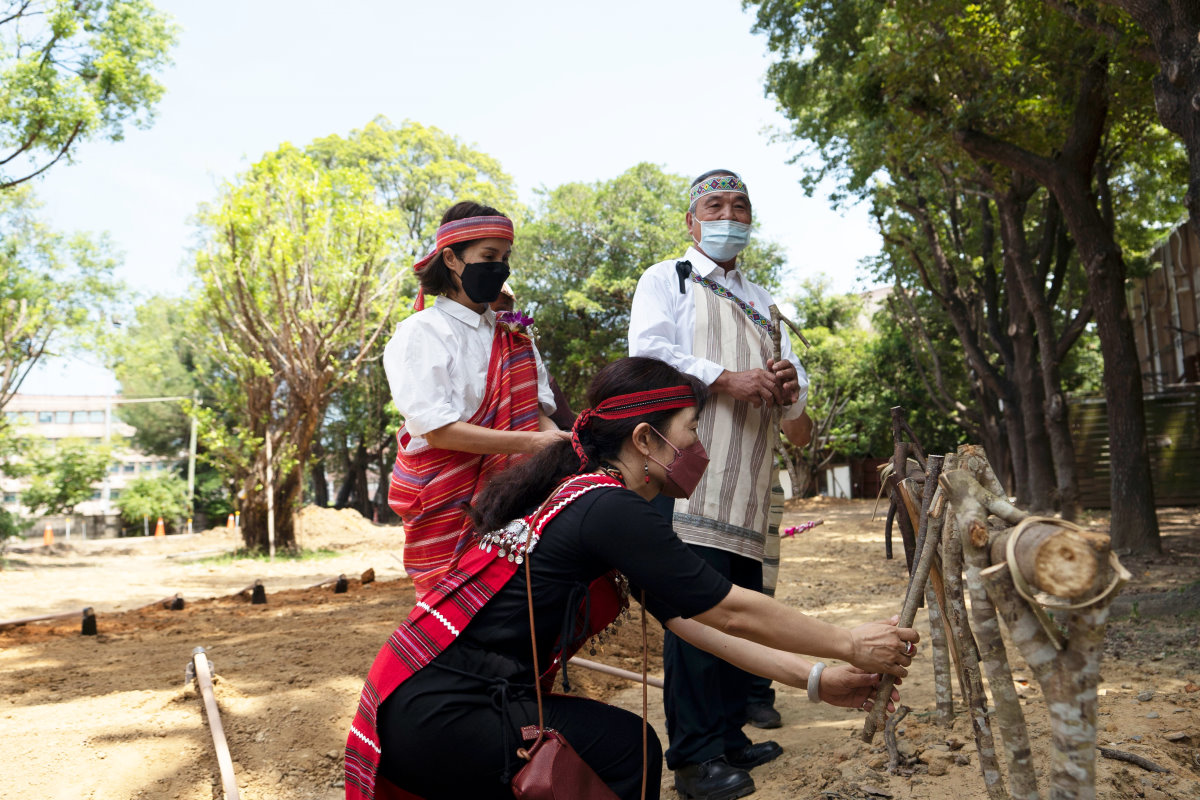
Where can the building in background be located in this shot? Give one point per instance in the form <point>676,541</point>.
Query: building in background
<point>52,418</point>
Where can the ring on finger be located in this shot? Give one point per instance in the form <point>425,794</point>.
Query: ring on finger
<point>909,648</point>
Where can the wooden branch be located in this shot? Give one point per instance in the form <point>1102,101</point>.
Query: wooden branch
<point>889,738</point>
<point>1068,676</point>
<point>952,559</point>
<point>1131,758</point>
<point>1085,18</point>
<point>1010,719</point>
<point>912,597</point>
<point>940,656</point>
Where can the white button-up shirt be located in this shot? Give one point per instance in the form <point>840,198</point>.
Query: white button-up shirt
<point>437,363</point>
<point>662,322</point>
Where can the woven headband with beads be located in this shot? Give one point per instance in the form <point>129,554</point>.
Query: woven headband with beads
<point>464,230</point>
<point>635,404</point>
<point>717,183</point>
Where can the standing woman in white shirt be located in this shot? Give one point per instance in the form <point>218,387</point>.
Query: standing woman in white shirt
<point>473,391</point>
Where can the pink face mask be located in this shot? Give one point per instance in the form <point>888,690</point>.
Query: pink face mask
<point>683,474</point>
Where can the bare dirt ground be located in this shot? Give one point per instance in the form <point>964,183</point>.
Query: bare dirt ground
<point>110,717</point>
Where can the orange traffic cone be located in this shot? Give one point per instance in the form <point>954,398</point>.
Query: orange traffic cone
<point>229,522</point>
<point>159,530</point>
<point>48,535</point>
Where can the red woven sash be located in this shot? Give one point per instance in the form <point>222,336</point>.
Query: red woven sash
<point>430,488</point>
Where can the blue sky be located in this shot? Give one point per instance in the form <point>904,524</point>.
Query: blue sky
<point>556,91</point>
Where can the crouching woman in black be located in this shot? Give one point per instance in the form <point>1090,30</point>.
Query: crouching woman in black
<point>441,713</point>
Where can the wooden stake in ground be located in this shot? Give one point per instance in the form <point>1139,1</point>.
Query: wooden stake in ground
<point>916,591</point>
<point>224,760</point>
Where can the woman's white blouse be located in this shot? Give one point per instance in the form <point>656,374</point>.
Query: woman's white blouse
<point>436,365</point>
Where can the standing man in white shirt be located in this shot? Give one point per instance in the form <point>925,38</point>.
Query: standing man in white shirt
<point>700,314</point>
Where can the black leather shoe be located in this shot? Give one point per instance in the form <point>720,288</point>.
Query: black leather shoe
<point>713,780</point>
<point>763,715</point>
<point>752,755</point>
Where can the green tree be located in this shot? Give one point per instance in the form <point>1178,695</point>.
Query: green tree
<point>1167,39</point>
<point>1005,95</point>
<point>154,356</point>
<point>54,289</point>
<point>71,71</point>
<point>162,496</point>
<point>417,171</point>
<point>577,263</point>
<point>64,476</point>
<point>296,287</point>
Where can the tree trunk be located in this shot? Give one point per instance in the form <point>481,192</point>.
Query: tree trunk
<point>1053,408</point>
<point>254,514</point>
<point>1068,176</point>
<point>320,481</point>
<point>1134,521</point>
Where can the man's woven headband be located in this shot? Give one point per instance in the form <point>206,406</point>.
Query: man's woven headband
<point>623,406</point>
<point>464,230</point>
<point>717,183</point>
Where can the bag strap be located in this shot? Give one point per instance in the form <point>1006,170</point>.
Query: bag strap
<point>645,760</point>
<point>527,753</point>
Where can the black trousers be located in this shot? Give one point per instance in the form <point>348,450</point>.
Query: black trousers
<point>445,735</point>
<point>704,696</point>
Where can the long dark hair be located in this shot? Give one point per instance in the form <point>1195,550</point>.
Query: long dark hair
<point>521,487</point>
<point>436,277</point>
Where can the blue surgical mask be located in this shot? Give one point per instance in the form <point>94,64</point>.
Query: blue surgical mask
<point>723,239</point>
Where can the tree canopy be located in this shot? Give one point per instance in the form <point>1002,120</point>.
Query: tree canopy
<point>55,289</point>
<point>958,121</point>
<point>71,71</point>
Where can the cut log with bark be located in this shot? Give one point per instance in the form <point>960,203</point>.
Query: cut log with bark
<point>1015,561</point>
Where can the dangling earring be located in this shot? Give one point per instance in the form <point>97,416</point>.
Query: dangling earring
<point>646,469</point>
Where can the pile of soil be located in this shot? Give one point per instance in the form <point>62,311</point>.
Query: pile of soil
<point>111,716</point>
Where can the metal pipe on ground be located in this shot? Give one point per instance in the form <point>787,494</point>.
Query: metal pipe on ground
<point>615,671</point>
<point>224,759</point>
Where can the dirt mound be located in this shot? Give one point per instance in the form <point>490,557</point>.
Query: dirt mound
<point>339,530</point>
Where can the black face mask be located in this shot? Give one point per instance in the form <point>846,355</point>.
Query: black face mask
<point>482,280</point>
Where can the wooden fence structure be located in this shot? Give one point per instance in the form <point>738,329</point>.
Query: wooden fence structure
<point>1173,437</point>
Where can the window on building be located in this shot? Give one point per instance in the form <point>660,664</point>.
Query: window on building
<point>11,497</point>
<point>11,416</point>
<point>62,417</point>
<point>114,469</point>
<point>95,494</point>
<point>28,416</point>
<point>95,416</point>
<point>45,416</point>
<point>129,468</point>
<point>79,416</point>
<point>114,494</point>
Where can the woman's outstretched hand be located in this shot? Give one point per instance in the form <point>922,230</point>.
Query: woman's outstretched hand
<point>883,647</point>
<point>850,687</point>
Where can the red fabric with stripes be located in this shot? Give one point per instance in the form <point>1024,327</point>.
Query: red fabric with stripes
<point>429,488</point>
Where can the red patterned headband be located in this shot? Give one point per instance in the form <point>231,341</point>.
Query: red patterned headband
<point>464,230</point>
<point>623,406</point>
